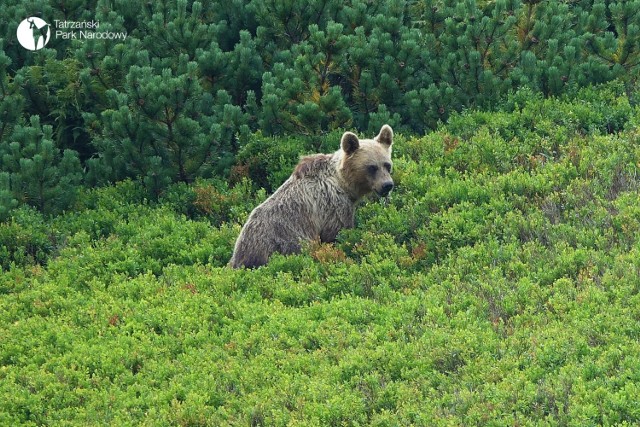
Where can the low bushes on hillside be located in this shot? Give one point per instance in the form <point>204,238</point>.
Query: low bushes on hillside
<point>498,284</point>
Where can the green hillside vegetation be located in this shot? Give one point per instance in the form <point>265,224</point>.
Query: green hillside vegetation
<point>498,285</point>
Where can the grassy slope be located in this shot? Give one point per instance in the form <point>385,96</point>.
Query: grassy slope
<point>498,286</point>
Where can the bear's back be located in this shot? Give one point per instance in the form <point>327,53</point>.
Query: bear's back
<point>314,166</point>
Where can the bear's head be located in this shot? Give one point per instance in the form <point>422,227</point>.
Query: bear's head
<point>366,163</point>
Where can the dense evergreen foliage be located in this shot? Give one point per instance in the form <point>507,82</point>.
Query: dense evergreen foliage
<point>499,285</point>
<point>181,95</point>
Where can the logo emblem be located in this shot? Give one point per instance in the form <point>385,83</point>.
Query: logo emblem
<point>33,33</point>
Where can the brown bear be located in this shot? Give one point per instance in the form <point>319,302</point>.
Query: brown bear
<point>318,199</point>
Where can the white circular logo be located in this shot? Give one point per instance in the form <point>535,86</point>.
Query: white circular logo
<point>33,33</point>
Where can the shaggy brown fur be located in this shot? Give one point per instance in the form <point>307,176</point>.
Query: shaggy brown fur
<point>310,164</point>
<point>318,199</point>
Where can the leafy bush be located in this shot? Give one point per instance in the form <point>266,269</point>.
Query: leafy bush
<point>213,200</point>
<point>25,239</point>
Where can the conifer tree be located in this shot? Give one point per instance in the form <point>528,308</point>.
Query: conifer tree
<point>7,201</point>
<point>612,35</point>
<point>11,104</point>
<point>11,100</point>
<point>170,106</point>
<point>300,96</point>
<point>39,174</point>
<point>385,62</point>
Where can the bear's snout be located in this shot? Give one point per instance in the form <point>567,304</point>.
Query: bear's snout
<point>386,189</point>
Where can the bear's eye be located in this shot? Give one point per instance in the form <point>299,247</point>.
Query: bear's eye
<point>372,169</point>
<point>387,166</point>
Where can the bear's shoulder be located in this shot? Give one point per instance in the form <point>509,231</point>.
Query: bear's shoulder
<point>312,166</point>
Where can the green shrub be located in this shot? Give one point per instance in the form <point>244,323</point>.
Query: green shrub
<point>26,239</point>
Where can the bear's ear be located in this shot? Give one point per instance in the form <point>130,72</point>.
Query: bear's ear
<point>385,137</point>
<point>349,142</point>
